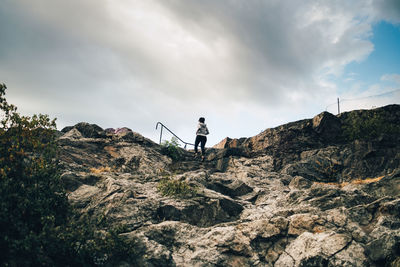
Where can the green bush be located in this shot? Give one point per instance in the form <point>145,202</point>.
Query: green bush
<point>367,126</point>
<point>38,227</point>
<point>175,188</point>
<point>171,149</point>
<point>82,242</point>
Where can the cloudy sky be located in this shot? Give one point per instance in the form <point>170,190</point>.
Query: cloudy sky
<point>243,65</point>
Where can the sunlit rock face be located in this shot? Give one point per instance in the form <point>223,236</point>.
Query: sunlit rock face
<point>310,193</point>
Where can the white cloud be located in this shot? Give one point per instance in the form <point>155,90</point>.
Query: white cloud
<point>395,78</point>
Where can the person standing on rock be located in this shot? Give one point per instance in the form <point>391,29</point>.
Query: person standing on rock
<point>201,137</point>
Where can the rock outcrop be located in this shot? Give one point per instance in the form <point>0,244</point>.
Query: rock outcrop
<point>308,193</point>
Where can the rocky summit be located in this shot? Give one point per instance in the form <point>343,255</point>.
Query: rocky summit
<point>316,192</point>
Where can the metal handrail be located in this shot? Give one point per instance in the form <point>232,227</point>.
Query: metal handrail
<point>163,126</point>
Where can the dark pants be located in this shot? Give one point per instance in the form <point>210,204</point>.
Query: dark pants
<point>200,139</point>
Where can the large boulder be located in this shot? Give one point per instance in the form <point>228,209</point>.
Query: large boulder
<point>315,250</point>
<point>327,126</point>
<point>87,130</point>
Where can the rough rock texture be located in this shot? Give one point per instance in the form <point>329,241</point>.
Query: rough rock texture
<point>296,195</point>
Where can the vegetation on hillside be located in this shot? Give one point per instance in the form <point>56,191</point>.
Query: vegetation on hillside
<point>171,149</point>
<point>169,186</point>
<point>367,126</point>
<point>38,227</point>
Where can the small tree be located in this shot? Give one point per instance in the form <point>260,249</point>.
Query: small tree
<point>32,200</point>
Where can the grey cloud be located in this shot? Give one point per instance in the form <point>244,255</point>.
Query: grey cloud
<point>272,46</point>
<point>270,52</point>
<point>388,10</point>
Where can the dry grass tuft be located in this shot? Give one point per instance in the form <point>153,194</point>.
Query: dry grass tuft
<point>100,170</point>
<point>318,229</point>
<point>358,181</point>
<point>368,180</point>
<point>112,151</point>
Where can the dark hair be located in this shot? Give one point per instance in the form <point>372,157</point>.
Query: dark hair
<point>201,120</point>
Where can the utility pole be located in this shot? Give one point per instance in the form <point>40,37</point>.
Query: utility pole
<point>338,106</point>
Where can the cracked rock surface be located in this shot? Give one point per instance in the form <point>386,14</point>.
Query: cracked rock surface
<point>295,195</point>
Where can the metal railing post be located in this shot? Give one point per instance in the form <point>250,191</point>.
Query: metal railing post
<point>161,133</point>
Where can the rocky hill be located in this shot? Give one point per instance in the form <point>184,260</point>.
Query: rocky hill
<point>316,192</point>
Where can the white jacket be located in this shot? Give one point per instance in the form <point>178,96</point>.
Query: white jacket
<point>202,129</point>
